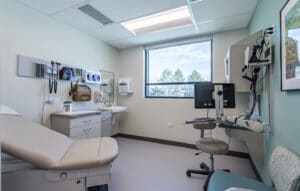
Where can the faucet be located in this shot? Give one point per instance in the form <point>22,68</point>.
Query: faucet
<point>107,102</point>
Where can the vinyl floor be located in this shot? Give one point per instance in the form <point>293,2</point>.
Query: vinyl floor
<point>147,166</point>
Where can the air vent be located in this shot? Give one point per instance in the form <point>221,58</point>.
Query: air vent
<point>95,14</point>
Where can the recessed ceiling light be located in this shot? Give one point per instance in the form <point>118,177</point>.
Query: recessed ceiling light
<point>159,21</point>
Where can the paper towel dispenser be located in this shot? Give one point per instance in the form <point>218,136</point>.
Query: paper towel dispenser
<point>125,86</point>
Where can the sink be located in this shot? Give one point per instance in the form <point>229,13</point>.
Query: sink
<point>114,109</point>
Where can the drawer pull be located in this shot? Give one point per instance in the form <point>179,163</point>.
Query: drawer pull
<point>87,121</point>
<point>87,130</point>
<point>63,176</point>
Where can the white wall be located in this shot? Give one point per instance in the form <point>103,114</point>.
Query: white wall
<point>27,32</point>
<point>150,117</point>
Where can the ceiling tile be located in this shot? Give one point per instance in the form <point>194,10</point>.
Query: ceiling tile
<point>211,16</point>
<point>224,24</point>
<point>51,6</point>
<point>206,10</point>
<point>77,19</point>
<point>218,25</point>
<point>111,32</point>
<point>121,10</point>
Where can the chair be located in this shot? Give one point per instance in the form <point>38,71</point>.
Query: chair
<point>284,167</point>
<point>207,145</point>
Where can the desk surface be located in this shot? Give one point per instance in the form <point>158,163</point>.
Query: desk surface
<point>233,126</point>
<point>238,123</point>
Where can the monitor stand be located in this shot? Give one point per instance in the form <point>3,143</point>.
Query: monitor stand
<point>219,102</point>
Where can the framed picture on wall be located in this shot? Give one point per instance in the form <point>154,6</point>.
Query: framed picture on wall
<point>290,45</point>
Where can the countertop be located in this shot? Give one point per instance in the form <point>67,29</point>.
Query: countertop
<point>75,114</point>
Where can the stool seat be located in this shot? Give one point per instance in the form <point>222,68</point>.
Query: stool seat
<point>212,146</point>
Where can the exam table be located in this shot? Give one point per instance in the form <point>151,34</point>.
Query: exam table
<point>37,158</point>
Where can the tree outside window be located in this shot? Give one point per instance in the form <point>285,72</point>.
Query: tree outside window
<point>172,71</point>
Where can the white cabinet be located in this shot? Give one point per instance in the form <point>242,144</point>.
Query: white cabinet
<point>234,63</point>
<point>106,127</point>
<point>80,126</point>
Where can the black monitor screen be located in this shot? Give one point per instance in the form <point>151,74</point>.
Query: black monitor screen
<point>204,95</point>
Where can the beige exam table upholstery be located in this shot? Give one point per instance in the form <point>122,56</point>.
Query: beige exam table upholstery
<point>50,150</point>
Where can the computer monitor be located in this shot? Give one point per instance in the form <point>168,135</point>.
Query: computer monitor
<point>204,95</point>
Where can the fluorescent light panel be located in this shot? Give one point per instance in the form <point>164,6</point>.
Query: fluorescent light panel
<point>159,21</point>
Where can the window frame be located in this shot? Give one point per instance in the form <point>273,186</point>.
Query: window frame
<point>166,45</point>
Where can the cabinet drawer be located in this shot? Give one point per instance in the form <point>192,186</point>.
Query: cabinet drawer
<point>83,132</point>
<point>85,121</point>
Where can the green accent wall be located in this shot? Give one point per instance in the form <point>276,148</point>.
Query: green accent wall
<point>286,104</point>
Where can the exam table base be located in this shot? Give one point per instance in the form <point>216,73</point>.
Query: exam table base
<point>56,180</point>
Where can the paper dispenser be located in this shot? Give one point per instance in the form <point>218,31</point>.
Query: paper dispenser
<point>125,86</point>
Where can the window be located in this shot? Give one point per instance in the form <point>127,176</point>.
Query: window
<point>172,71</point>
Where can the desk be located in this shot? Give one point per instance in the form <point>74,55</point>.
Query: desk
<point>253,140</point>
<point>232,126</point>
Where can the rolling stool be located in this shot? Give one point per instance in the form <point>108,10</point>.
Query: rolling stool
<point>207,145</point>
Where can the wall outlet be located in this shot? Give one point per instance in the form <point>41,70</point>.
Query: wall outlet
<point>51,101</point>
<point>170,125</point>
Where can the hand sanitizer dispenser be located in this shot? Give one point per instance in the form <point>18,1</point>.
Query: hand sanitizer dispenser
<point>124,86</point>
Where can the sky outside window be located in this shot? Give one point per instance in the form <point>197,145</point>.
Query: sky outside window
<point>186,58</point>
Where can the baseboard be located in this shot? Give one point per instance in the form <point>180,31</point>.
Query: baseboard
<point>179,144</point>
<point>155,140</point>
<point>190,146</point>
